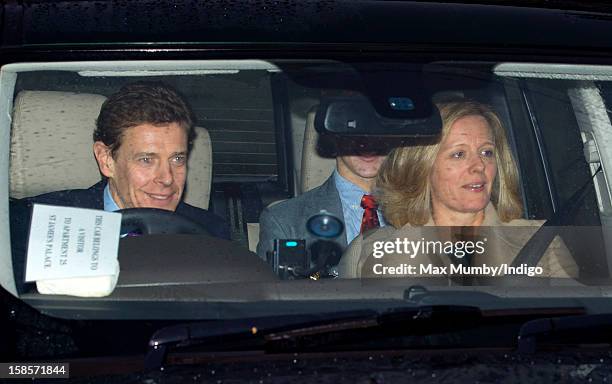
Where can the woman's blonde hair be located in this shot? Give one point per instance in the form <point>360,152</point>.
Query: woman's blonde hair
<point>403,183</point>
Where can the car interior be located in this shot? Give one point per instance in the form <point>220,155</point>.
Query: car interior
<point>257,145</point>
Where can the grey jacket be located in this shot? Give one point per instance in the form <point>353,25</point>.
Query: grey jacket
<point>287,219</point>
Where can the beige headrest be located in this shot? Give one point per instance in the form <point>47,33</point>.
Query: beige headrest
<point>51,146</point>
<point>318,159</point>
<point>199,176</point>
<point>51,142</point>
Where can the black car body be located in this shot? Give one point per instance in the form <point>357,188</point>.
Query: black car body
<point>267,64</point>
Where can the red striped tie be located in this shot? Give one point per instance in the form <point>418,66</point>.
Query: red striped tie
<point>370,215</point>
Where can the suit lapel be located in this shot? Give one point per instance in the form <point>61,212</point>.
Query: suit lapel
<point>327,198</point>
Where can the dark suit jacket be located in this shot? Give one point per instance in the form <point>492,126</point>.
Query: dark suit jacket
<point>93,198</point>
<point>287,219</point>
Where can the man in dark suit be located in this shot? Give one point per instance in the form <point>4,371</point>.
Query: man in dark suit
<point>141,143</point>
<point>93,198</point>
<point>342,194</point>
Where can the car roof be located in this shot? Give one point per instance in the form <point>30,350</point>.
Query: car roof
<point>567,25</point>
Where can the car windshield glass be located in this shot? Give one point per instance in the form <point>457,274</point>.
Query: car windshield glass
<point>248,183</point>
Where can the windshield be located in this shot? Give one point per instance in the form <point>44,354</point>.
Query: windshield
<point>301,183</point>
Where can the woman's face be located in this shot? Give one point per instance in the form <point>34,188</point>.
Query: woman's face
<point>465,167</point>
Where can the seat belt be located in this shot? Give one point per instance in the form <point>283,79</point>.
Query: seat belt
<point>534,249</point>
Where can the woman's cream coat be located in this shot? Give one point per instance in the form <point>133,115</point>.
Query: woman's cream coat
<point>502,244</point>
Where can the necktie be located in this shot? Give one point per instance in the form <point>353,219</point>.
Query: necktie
<point>370,215</point>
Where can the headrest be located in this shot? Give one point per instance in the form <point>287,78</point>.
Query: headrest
<point>318,157</point>
<point>51,142</point>
<point>51,146</point>
<point>199,175</point>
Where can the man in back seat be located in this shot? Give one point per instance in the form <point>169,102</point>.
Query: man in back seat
<point>141,143</point>
<point>346,194</point>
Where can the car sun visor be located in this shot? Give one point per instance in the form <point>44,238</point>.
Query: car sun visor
<point>355,115</point>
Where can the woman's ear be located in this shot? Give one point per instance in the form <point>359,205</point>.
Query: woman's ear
<point>105,160</point>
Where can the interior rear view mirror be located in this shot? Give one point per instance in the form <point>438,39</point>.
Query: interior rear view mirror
<point>355,115</point>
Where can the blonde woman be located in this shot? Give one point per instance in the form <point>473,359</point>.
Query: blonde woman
<point>466,178</point>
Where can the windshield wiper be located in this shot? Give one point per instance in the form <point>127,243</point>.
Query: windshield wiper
<point>246,331</point>
<point>328,330</point>
<point>574,327</point>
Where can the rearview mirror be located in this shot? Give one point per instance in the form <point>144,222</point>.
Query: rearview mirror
<point>355,115</point>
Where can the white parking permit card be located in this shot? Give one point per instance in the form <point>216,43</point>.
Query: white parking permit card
<point>71,242</point>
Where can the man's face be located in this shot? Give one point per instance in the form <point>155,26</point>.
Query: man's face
<point>149,168</point>
<point>359,160</point>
